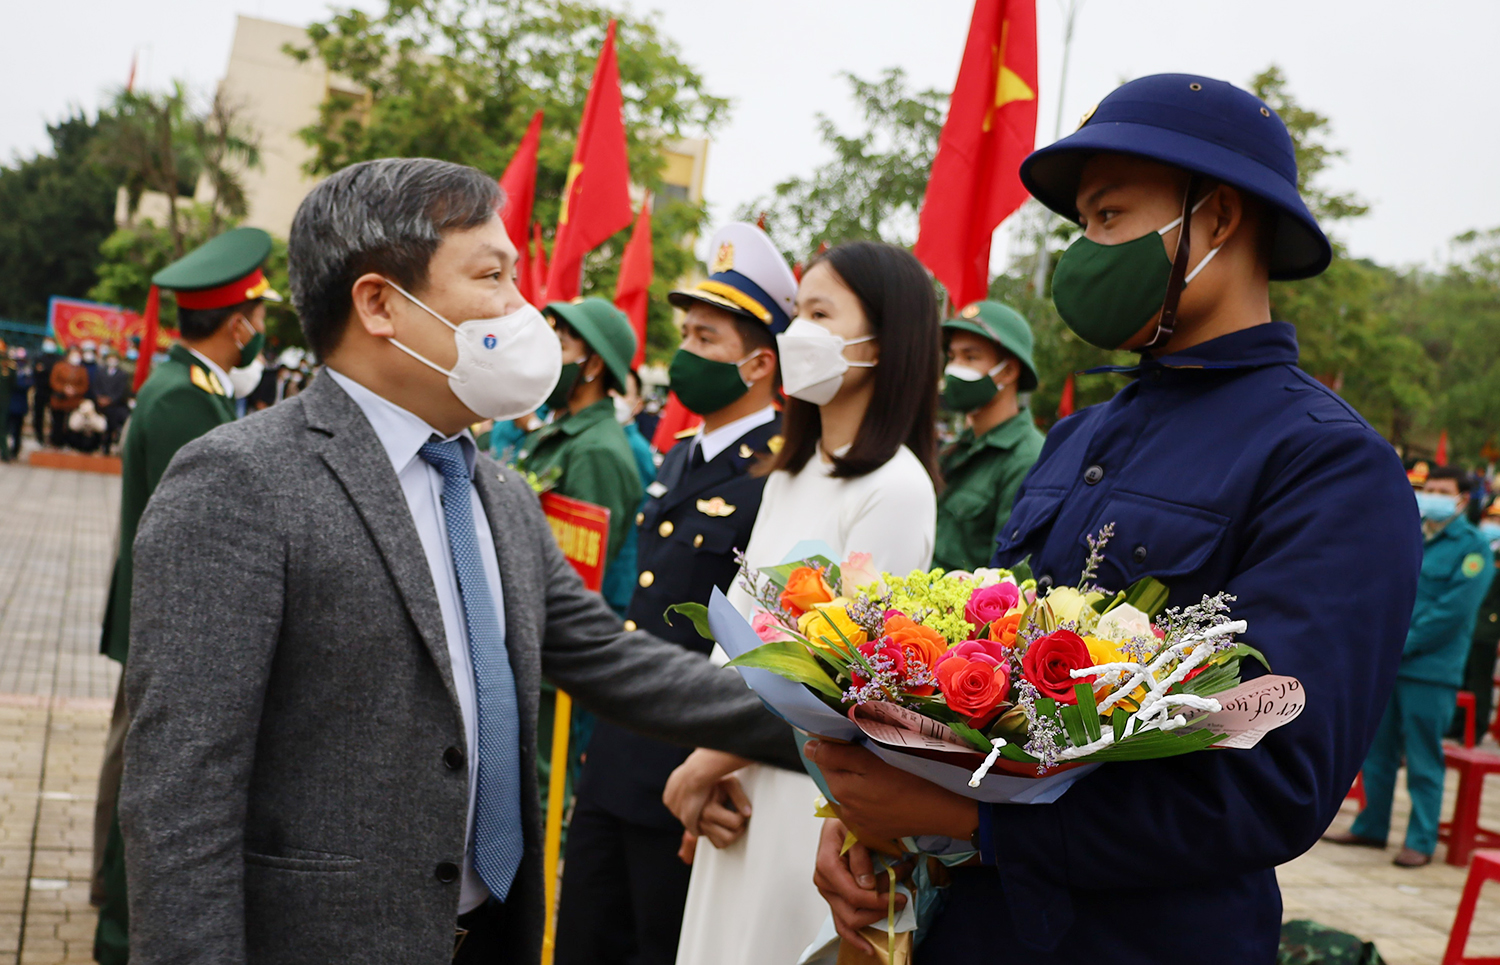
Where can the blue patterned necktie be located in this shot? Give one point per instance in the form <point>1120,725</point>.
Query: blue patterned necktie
<point>498,838</point>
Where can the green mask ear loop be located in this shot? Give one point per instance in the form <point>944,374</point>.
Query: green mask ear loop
<point>1167,321</point>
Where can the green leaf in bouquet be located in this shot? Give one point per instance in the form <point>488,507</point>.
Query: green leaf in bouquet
<point>1155,744</point>
<point>1117,721</point>
<point>1105,604</point>
<point>789,659</point>
<point>1088,709</point>
<point>1046,707</point>
<point>972,736</point>
<point>1149,595</point>
<point>696,612</point>
<point>1022,571</point>
<point>1015,752</point>
<point>1073,723</point>
<point>1240,651</point>
<point>780,574</point>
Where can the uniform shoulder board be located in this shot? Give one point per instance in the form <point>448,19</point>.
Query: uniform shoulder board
<point>686,433</point>
<point>774,444</point>
<point>208,383</point>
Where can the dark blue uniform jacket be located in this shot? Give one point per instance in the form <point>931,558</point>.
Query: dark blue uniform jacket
<point>1223,467</point>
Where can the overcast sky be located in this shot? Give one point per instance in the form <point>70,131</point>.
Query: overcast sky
<point>1411,88</point>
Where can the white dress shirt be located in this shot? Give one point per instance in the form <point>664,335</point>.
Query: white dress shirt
<point>403,434</point>
<point>713,443</point>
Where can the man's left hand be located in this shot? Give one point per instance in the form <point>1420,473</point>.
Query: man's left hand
<point>882,802</point>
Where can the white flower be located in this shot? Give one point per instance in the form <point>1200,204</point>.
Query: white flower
<point>1124,622</point>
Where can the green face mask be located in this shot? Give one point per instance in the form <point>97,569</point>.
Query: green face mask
<point>705,385</point>
<point>567,379</point>
<point>251,349</point>
<point>1107,293</point>
<point>965,390</point>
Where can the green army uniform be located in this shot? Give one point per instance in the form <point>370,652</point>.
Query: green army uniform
<point>981,473</point>
<point>1479,674</point>
<point>586,455</point>
<point>183,399</point>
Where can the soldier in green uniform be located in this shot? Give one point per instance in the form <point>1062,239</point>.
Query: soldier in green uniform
<point>989,365</point>
<point>583,453</point>
<point>221,294</point>
<point>1457,567</point>
<point>1479,674</point>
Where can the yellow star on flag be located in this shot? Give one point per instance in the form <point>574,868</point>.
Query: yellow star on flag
<point>1008,84</point>
<point>574,169</point>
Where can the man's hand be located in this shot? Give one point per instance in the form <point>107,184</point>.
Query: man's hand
<point>881,802</point>
<point>848,882</point>
<point>691,786</point>
<point>726,816</point>
<point>687,848</point>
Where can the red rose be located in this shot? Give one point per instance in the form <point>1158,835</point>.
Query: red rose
<point>991,603</point>
<point>882,654</point>
<point>1048,661</point>
<point>974,681</point>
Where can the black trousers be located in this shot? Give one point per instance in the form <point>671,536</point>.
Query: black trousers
<point>623,891</point>
<point>479,943</point>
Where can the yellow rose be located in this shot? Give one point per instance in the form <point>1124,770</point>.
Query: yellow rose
<point>818,624</point>
<point>1107,651</point>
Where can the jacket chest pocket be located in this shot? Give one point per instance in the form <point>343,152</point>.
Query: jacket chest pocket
<point>1155,537</point>
<point>968,505</point>
<point>1032,514</point>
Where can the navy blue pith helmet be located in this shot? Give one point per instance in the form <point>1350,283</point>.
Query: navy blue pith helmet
<point>1198,124</point>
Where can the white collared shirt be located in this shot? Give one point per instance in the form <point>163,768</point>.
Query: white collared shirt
<point>713,443</point>
<point>403,434</point>
<point>218,373</point>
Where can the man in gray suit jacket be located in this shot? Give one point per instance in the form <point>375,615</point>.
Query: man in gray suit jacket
<point>343,613</point>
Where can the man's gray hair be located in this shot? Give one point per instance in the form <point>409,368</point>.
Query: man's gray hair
<point>386,216</point>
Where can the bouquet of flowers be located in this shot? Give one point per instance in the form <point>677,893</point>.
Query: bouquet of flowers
<point>981,672</point>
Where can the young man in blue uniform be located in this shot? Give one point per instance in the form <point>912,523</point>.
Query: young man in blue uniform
<point>1456,570</point>
<point>624,892</point>
<point>1223,467</point>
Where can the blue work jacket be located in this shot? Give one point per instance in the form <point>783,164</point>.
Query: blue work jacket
<point>1223,467</point>
<point>1456,570</point>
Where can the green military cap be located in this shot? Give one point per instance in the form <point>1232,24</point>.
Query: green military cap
<point>221,272</point>
<point>604,328</point>
<point>1005,327</point>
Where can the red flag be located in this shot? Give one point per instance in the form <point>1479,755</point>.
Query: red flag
<point>596,197</point>
<point>1065,404</point>
<point>538,266</point>
<point>975,182</point>
<point>1441,458</point>
<point>632,289</point>
<point>676,419</point>
<point>148,340</point>
<point>519,184</point>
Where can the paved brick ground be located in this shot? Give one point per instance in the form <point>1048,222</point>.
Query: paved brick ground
<point>57,533</point>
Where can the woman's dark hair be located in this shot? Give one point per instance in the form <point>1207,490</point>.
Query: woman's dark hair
<point>896,294</point>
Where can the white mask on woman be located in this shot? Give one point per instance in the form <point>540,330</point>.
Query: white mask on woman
<point>506,365</point>
<point>812,361</point>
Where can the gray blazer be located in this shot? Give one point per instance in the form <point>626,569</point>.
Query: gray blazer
<point>285,796</point>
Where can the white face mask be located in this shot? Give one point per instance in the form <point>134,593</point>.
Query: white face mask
<point>245,378</point>
<point>506,366</point>
<point>812,361</point>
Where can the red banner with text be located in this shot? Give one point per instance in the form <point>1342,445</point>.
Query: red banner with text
<point>72,320</point>
<point>582,531</point>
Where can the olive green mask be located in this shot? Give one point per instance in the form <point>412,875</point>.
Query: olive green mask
<point>965,390</point>
<point>706,385</point>
<point>567,380</point>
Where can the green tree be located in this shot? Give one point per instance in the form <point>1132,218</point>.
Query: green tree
<point>873,185</point>
<point>55,209</point>
<point>460,79</point>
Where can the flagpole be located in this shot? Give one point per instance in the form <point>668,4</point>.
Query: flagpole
<point>1039,273</point>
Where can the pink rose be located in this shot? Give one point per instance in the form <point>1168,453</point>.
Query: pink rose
<point>857,572</point>
<point>766,627</point>
<point>991,603</point>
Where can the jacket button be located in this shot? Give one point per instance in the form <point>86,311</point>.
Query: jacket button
<point>697,541</point>
<point>1140,554</point>
<point>453,758</point>
<point>1093,474</point>
<point>647,578</point>
<point>446,872</point>
<point>630,626</point>
<point>666,528</point>
<point>1044,583</point>
<point>640,518</point>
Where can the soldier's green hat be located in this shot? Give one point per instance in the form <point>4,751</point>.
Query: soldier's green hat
<point>604,328</point>
<point>221,272</point>
<point>1005,327</point>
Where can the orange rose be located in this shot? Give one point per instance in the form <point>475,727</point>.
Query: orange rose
<point>920,644</point>
<point>805,589</point>
<point>1003,630</point>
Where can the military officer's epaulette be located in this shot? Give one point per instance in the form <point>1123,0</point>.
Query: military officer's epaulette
<point>686,433</point>
<point>206,381</point>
